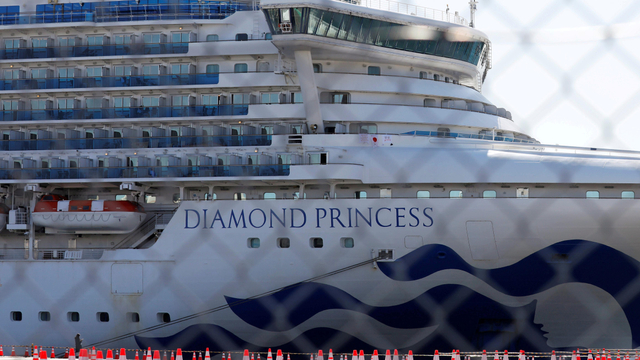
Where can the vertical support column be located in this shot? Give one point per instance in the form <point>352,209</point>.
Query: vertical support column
<point>304,66</point>
<point>32,227</point>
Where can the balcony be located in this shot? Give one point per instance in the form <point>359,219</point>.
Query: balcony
<point>109,81</point>
<point>125,112</point>
<point>145,172</point>
<point>136,143</point>
<point>94,50</point>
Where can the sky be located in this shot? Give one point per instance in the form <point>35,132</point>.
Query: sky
<point>568,70</point>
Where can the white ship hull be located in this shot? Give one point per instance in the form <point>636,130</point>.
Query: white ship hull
<point>442,284</point>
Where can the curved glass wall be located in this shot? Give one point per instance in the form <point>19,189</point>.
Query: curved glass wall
<point>373,32</point>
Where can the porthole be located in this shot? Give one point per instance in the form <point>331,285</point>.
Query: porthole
<point>164,317</point>
<point>284,243</point>
<point>16,316</point>
<point>73,316</point>
<point>44,316</point>
<point>347,242</point>
<point>102,316</point>
<point>253,243</point>
<point>316,242</point>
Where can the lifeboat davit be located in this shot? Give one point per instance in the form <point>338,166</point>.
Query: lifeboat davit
<point>87,216</point>
<point>4,212</point>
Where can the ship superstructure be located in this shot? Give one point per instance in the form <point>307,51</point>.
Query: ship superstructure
<point>297,175</point>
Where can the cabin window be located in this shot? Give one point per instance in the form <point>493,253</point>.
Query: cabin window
<point>455,194</point>
<point>316,242</point>
<point>269,196</point>
<point>103,316</point>
<point>522,192</point>
<point>593,194</point>
<point>360,194</point>
<point>73,316</point>
<point>240,68</point>
<point>317,68</point>
<point>429,102</point>
<point>133,317</point>
<point>436,77</point>
<point>44,316</point>
<point>164,317</point>
<point>317,158</point>
<point>489,194</point>
<point>360,128</point>
<point>444,132</point>
<point>347,242</point>
<point>385,193</point>
<point>296,98</point>
<point>149,199</point>
<point>424,75</point>
<point>284,243</point>
<point>212,37</point>
<point>213,69</point>
<point>253,243</point>
<point>270,98</point>
<point>340,98</point>
<point>121,197</point>
<point>373,70</point>
<point>423,194</point>
<point>16,316</point>
<point>239,196</point>
<point>242,37</point>
<point>628,195</point>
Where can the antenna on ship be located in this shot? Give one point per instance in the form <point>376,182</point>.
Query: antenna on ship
<point>472,18</point>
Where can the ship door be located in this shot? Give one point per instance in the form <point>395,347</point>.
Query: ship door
<point>482,240</point>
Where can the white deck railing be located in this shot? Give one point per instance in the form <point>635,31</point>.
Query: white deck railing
<point>410,9</point>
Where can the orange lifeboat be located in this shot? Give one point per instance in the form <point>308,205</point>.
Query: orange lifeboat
<point>57,215</point>
<point>4,212</point>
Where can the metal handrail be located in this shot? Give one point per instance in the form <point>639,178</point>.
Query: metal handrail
<point>414,10</point>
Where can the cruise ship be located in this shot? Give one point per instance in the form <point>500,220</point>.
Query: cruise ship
<point>294,174</point>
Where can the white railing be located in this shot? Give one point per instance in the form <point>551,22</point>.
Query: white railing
<point>410,9</point>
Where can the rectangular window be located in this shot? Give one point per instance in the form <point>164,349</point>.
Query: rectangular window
<point>151,38</point>
<point>373,70</point>
<point>347,242</point>
<point>284,243</point>
<point>123,70</point>
<point>239,196</point>
<point>212,37</point>
<point>163,317</point>
<point>11,74</point>
<point>385,193</point>
<point>593,194</point>
<point>360,195</point>
<point>269,196</point>
<point>38,73</point>
<point>316,242</point>
<point>120,102</point>
<point>102,317</point>
<point>73,316</point>
<point>240,99</point>
<point>522,192</point>
<point>180,37</point>
<point>44,316</point>
<point>39,42</point>
<point>94,103</point>
<point>37,104</point>
<point>242,37</point>
<point>489,194</point>
<point>16,316</point>
<point>95,71</point>
<point>133,317</point>
<point>65,103</point>
<point>123,39</point>
<point>210,99</point>
<point>455,194</point>
<point>67,41</point>
<point>150,101</point>
<point>296,98</point>
<point>178,69</point>
<point>151,70</point>
<point>270,98</point>
<point>423,194</point>
<point>240,68</point>
<point>253,243</point>
<point>95,40</point>
<point>628,195</point>
<point>213,69</point>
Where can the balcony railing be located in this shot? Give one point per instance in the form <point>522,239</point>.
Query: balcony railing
<point>136,143</point>
<point>94,50</point>
<point>125,112</point>
<point>109,81</point>
<point>145,172</point>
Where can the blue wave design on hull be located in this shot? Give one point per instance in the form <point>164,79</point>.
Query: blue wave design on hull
<point>467,321</point>
<point>475,319</point>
